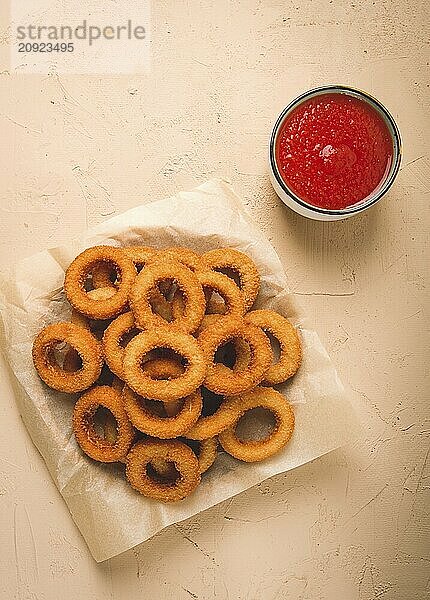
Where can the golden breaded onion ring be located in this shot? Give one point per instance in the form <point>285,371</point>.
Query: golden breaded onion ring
<point>171,451</point>
<point>101,293</point>
<point>187,283</point>
<point>256,450</point>
<point>140,255</point>
<point>162,427</point>
<point>165,390</point>
<point>186,256</point>
<point>222,380</point>
<point>112,337</point>
<point>165,368</point>
<point>72,361</point>
<point>240,263</point>
<point>206,453</point>
<point>83,265</point>
<point>187,411</point>
<point>81,341</point>
<point>212,281</point>
<point>211,425</point>
<point>289,342</point>
<point>95,446</point>
<point>242,353</point>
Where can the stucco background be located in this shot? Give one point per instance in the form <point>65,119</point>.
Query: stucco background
<point>75,149</point>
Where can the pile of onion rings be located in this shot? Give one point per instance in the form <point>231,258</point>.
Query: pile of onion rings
<point>168,355</point>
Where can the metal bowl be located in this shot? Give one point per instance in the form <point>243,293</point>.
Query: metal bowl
<point>323,214</point>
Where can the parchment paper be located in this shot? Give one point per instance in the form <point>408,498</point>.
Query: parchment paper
<point>111,516</point>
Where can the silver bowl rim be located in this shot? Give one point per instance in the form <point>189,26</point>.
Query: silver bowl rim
<point>388,119</point>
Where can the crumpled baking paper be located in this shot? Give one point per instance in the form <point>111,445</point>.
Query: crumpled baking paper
<point>111,516</point>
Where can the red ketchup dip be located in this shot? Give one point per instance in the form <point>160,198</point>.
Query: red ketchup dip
<point>333,150</point>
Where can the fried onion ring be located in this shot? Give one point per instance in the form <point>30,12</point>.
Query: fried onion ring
<point>241,351</point>
<point>83,265</point>
<point>212,281</point>
<point>81,340</point>
<point>140,255</point>
<point>165,368</point>
<point>211,425</point>
<point>112,337</point>
<point>186,256</point>
<point>92,444</point>
<point>222,380</point>
<point>205,450</point>
<point>164,390</point>
<point>102,293</point>
<point>102,274</point>
<point>162,427</point>
<point>72,361</point>
<point>240,263</point>
<point>172,451</point>
<point>187,283</point>
<point>206,453</point>
<point>289,342</point>
<point>256,450</point>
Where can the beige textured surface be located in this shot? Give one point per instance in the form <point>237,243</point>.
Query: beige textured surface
<point>355,524</point>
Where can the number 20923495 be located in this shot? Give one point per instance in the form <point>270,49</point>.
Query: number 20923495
<point>45,47</point>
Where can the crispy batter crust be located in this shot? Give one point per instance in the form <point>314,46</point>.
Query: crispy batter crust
<point>165,390</point>
<point>114,352</point>
<point>72,361</point>
<point>162,427</point>
<point>165,368</point>
<point>289,342</point>
<point>222,380</point>
<point>140,255</point>
<point>242,351</point>
<point>83,342</point>
<point>101,293</point>
<point>186,256</point>
<point>97,447</point>
<point>212,425</point>
<point>206,455</point>
<point>253,451</point>
<point>83,265</point>
<point>173,451</point>
<point>240,263</point>
<point>212,281</point>
<point>188,284</point>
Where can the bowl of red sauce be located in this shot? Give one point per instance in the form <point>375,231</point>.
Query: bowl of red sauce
<point>334,151</point>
